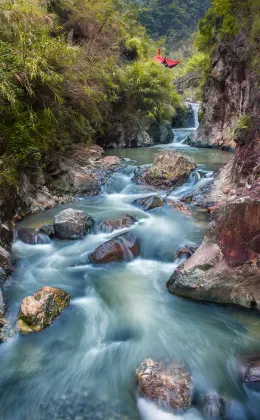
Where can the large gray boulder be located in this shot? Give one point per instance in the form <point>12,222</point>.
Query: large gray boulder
<point>169,170</point>
<point>72,224</point>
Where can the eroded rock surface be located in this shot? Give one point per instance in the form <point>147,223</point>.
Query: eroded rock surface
<point>72,224</point>
<point>121,248</point>
<point>225,268</point>
<point>169,170</point>
<point>39,310</point>
<point>167,383</point>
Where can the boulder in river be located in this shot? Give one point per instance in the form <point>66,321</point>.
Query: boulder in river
<point>149,203</point>
<point>111,161</point>
<point>72,224</point>
<point>169,170</point>
<point>32,237</point>
<point>167,383</point>
<point>39,310</point>
<point>121,248</point>
<point>225,268</point>
<point>124,222</point>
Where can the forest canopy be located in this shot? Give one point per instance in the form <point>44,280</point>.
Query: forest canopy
<point>66,68</point>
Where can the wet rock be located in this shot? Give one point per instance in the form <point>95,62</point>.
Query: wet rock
<point>161,133</point>
<point>179,206</point>
<point>47,230</point>
<point>186,251</point>
<point>27,236</point>
<point>32,237</point>
<point>184,117</point>
<point>169,170</point>
<point>225,268</point>
<point>4,329</point>
<point>39,310</point>
<point>2,303</point>
<point>249,368</point>
<point>167,383</point>
<point>121,248</point>
<point>6,266</point>
<point>124,222</point>
<point>72,224</point>
<point>111,161</point>
<point>213,406</point>
<point>149,203</point>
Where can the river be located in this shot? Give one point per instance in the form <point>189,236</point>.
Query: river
<point>83,366</point>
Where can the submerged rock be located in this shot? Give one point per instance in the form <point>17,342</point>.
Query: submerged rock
<point>179,206</point>
<point>32,237</point>
<point>249,368</point>
<point>169,170</point>
<point>39,310</point>
<point>149,203</point>
<point>72,224</point>
<point>121,248</point>
<point>124,222</point>
<point>169,384</point>
<point>213,406</point>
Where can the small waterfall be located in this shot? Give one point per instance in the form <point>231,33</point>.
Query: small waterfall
<point>181,135</point>
<point>195,109</point>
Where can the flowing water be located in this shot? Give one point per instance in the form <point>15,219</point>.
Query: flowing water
<point>83,365</point>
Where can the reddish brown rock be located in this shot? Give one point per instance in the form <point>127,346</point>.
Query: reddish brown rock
<point>169,170</point>
<point>225,268</point>
<point>186,251</point>
<point>161,382</point>
<point>121,248</point>
<point>39,310</point>
<point>179,206</point>
<point>124,222</point>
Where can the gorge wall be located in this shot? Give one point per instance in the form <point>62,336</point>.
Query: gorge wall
<point>230,94</point>
<point>226,267</point>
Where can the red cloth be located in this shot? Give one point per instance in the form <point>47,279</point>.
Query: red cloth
<point>166,61</point>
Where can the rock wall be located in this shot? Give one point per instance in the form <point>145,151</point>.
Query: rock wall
<point>230,92</point>
<point>226,267</point>
<point>147,133</point>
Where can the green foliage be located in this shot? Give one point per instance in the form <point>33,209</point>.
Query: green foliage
<point>148,91</point>
<point>244,122</point>
<point>66,67</point>
<point>173,19</point>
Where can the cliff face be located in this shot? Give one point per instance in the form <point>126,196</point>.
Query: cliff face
<point>229,93</point>
<point>226,267</point>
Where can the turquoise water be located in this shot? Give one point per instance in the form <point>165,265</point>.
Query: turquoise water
<point>83,366</point>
